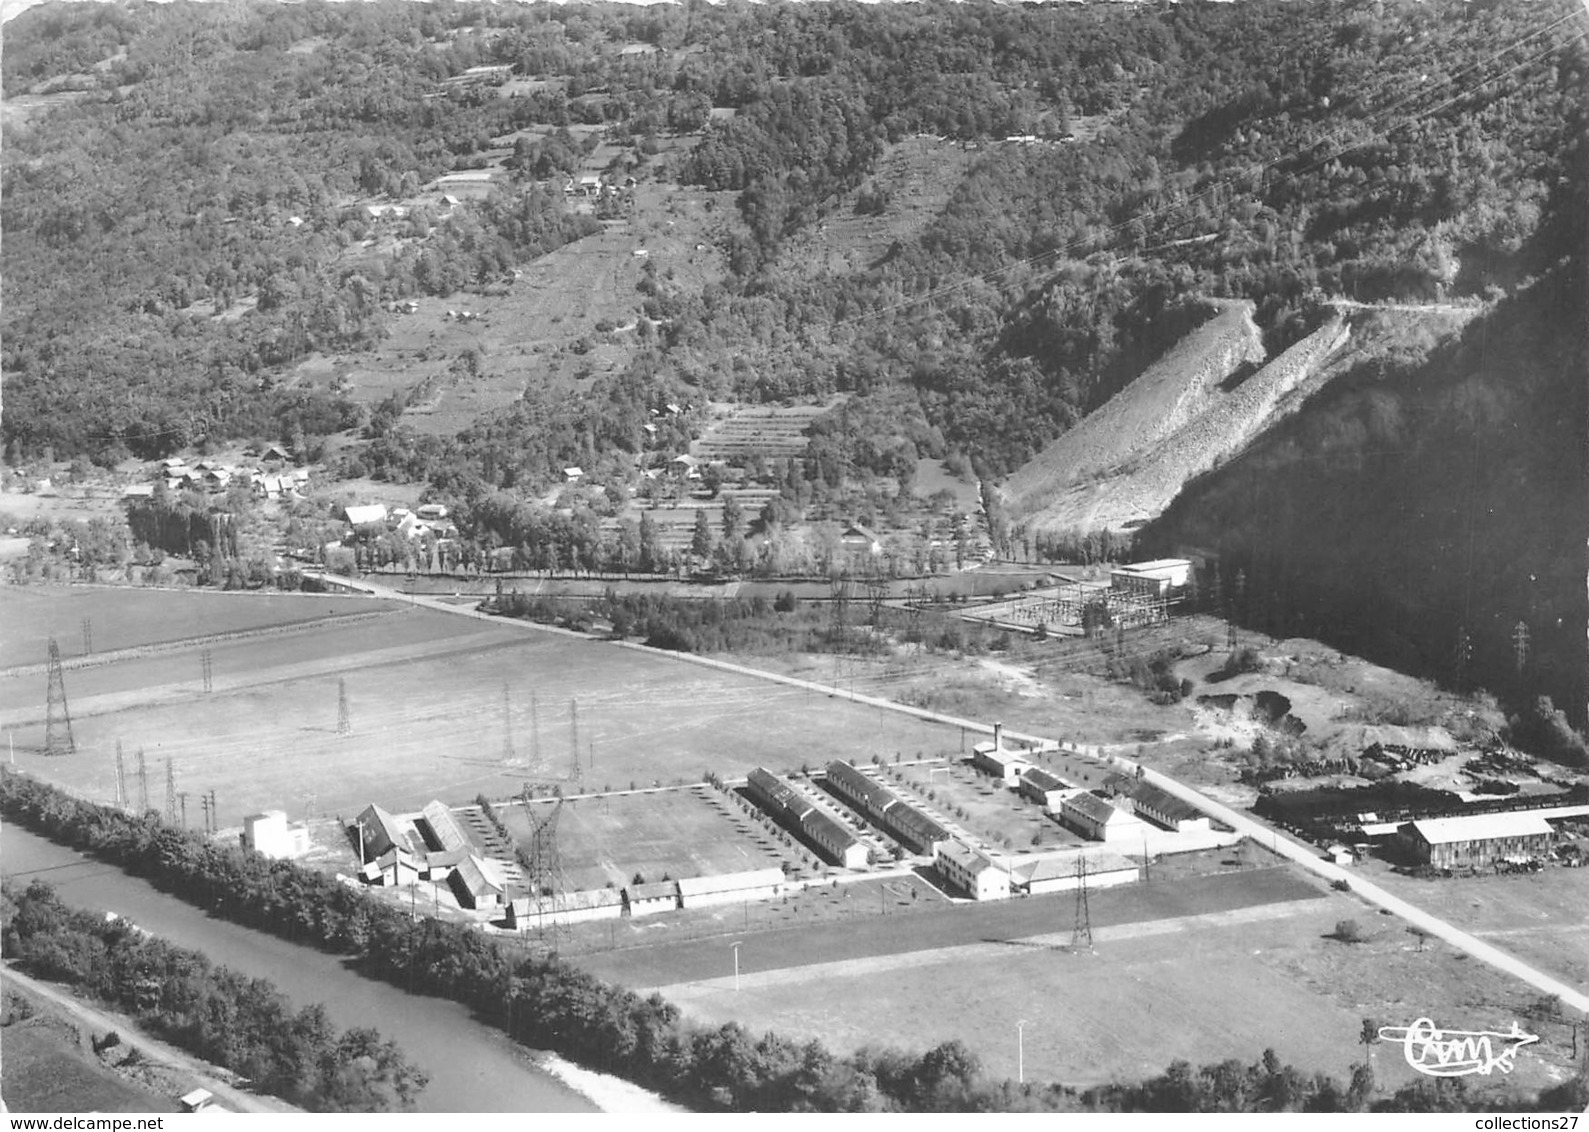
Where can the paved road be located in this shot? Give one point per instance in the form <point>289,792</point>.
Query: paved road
<point>152,1048</point>
<point>1305,856</point>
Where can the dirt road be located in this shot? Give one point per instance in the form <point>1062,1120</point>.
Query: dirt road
<point>200,1072</point>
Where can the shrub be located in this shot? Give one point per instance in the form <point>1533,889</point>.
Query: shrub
<point>1348,931</point>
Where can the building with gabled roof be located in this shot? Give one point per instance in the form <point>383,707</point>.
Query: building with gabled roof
<point>379,831</point>
<point>859,788</point>
<point>477,883</point>
<point>650,898</point>
<point>396,866</point>
<point>1099,819</point>
<point>1156,804</point>
<point>362,515</point>
<point>1047,790</point>
<point>797,812</point>
<point>525,912</point>
<point>972,871</point>
<point>1475,840</point>
<point>1060,873</point>
<point>440,828</point>
<point>730,888</point>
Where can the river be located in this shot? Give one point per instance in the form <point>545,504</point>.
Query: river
<point>472,1067</point>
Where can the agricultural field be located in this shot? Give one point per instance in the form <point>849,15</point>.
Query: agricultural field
<point>121,618</point>
<point>438,707</point>
<point>1542,918</point>
<point>1183,969</point>
<point>606,840</point>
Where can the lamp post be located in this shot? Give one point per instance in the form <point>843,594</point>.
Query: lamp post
<point>1020,1051</point>
<point>736,945</point>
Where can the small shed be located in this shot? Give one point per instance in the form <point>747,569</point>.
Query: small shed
<point>477,884</point>
<point>1062,873</point>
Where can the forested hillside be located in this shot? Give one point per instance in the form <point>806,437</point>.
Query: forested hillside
<point>197,198</point>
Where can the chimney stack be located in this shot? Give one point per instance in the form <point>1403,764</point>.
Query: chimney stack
<point>998,736</point>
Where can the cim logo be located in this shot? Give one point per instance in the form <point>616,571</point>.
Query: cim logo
<point>1457,1053</point>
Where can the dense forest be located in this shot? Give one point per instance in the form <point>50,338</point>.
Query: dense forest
<point>205,165</point>
<point>548,1003</point>
<point>233,1021</point>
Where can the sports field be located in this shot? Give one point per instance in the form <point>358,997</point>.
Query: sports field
<point>656,834</point>
<point>438,707</point>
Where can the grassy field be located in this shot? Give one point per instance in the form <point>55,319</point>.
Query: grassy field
<point>49,1067</point>
<point>669,833</point>
<point>124,618</point>
<point>426,707</point>
<point>1195,969</point>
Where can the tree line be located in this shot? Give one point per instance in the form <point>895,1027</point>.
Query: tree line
<point>545,1002</point>
<point>239,1023</point>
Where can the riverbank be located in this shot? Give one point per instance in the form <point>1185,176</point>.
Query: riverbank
<point>157,1063</point>
<point>608,1093</point>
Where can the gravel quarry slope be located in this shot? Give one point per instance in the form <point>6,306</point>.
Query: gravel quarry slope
<point>1193,409</point>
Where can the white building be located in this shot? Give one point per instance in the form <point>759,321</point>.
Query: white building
<point>1063,873</point>
<point>973,872</point>
<point>269,834</point>
<point>730,888</point>
<point>1099,820</point>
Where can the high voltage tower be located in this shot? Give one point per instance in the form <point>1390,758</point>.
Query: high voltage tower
<point>546,881</point>
<point>58,718</point>
<point>1081,933</point>
<point>839,591</point>
<point>143,784</point>
<point>171,793</point>
<point>344,718</point>
<point>182,799</point>
<point>88,636</point>
<point>209,671</point>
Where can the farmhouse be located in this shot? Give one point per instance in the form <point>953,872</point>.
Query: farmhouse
<point>395,866</point>
<point>860,540</point>
<point>360,515</point>
<point>440,829</point>
<point>379,831</point>
<point>793,809</point>
<point>1160,578</point>
<point>648,899</point>
<point>1062,873</point>
<point>1046,789</point>
<point>729,888</point>
<point>1098,819</point>
<point>1156,804</point>
<point>971,871</point>
<point>270,835</point>
<point>477,884</point>
<point>1476,840</point>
